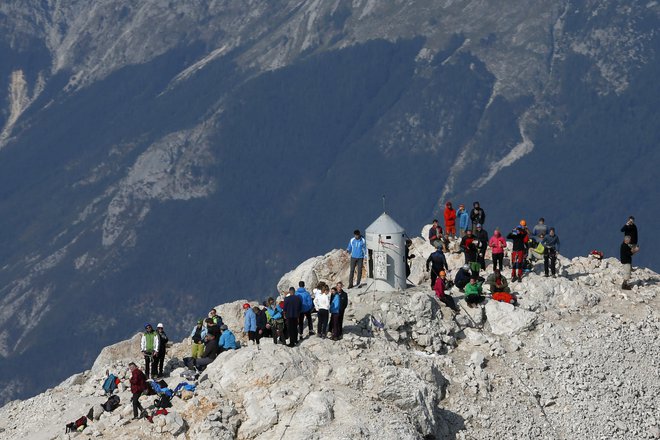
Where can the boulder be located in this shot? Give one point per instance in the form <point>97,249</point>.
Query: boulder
<point>505,319</point>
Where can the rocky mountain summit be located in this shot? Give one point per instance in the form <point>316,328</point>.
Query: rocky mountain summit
<point>576,359</point>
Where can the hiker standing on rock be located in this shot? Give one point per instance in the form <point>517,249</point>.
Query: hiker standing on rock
<point>477,215</point>
<point>497,245</point>
<point>481,238</point>
<point>335,311</point>
<point>463,220</point>
<point>250,325</point>
<point>343,305</point>
<point>357,248</point>
<point>520,239</point>
<point>630,229</point>
<point>149,346</point>
<point>138,386</point>
<point>540,228</point>
<point>276,321</point>
<point>438,263</point>
<point>626,259</point>
<point>162,346</point>
<point>450,220</point>
<point>550,244</point>
<point>292,306</point>
<point>322,304</point>
<point>197,335</point>
<point>307,304</point>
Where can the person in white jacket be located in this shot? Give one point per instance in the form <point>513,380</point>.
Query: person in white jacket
<point>322,305</point>
<point>149,347</point>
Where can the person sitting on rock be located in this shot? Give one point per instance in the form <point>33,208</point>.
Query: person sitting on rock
<point>335,312</point>
<point>138,386</point>
<point>438,262</point>
<point>211,350</point>
<point>462,277</point>
<point>473,292</point>
<point>322,304</point>
<point>217,319</point>
<point>435,234</point>
<point>198,336</point>
<point>227,339</point>
<point>149,346</point>
<point>497,282</point>
<point>212,328</point>
<point>276,321</point>
<point>292,305</point>
<point>250,325</point>
<point>440,291</point>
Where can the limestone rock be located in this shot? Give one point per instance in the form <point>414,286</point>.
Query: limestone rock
<point>505,319</point>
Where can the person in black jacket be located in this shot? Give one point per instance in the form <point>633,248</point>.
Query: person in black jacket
<point>469,247</point>
<point>343,304</point>
<point>626,259</point>
<point>462,277</point>
<point>477,215</point>
<point>211,350</point>
<point>438,262</point>
<point>630,229</point>
<point>262,320</point>
<point>481,237</point>
<point>162,343</point>
<point>520,238</point>
<point>292,308</point>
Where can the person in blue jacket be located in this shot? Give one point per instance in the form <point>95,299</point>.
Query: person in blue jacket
<point>305,310</point>
<point>463,219</point>
<point>335,311</point>
<point>276,321</point>
<point>227,339</point>
<point>250,325</point>
<point>357,248</point>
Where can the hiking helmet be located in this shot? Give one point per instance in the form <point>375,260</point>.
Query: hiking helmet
<point>246,306</point>
<point>160,325</point>
<point>442,273</point>
<point>523,222</point>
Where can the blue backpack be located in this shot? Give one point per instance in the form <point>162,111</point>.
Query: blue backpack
<point>110,384</point>
<point>307,303</point>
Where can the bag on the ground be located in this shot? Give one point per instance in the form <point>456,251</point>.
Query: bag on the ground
<point>504,297</point>
<point>75,426</point>
<point>110,384</point>
<point>163,401</point>
<point>111,404</point>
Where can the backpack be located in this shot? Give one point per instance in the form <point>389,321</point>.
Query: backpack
<point>110,384</point>
<point>73,426</point>
<point>111,404</point>
<point>307,303</point>
<point>504,297</point>
<point>163,401</point>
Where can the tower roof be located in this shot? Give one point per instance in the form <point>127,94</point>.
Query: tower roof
<point>384,225</point>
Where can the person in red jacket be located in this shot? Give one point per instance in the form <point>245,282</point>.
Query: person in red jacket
<point>520,238</point>
<point>450,220</point>
<point>138,386</point>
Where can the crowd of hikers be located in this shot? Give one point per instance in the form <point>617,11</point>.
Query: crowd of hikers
<point>285,321</point>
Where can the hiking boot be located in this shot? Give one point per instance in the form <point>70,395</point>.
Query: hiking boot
<point>311,333</point>
<point>350,286</point>
<point>546,275</point>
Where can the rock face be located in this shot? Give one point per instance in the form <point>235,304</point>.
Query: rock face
<point>422,372</point>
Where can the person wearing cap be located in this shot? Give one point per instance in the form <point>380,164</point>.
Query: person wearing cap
<point>292,305</point>
<point>477,215</point>
<point>497,245</point>
<point>450,220</point>
<point>438,263</point>
<point>481,238</point>
<point>473,292</point>
<point>440,291</point>
<point>357,248</point>
<point>250,325</point>
<point>162,344</point>
<point>149,347</point>
<point>519,238</point>
<point>197,336</point>
<point>227,339</point>
<point>463,219</point>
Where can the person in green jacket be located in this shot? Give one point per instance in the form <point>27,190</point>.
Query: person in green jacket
<point>473,293</point>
